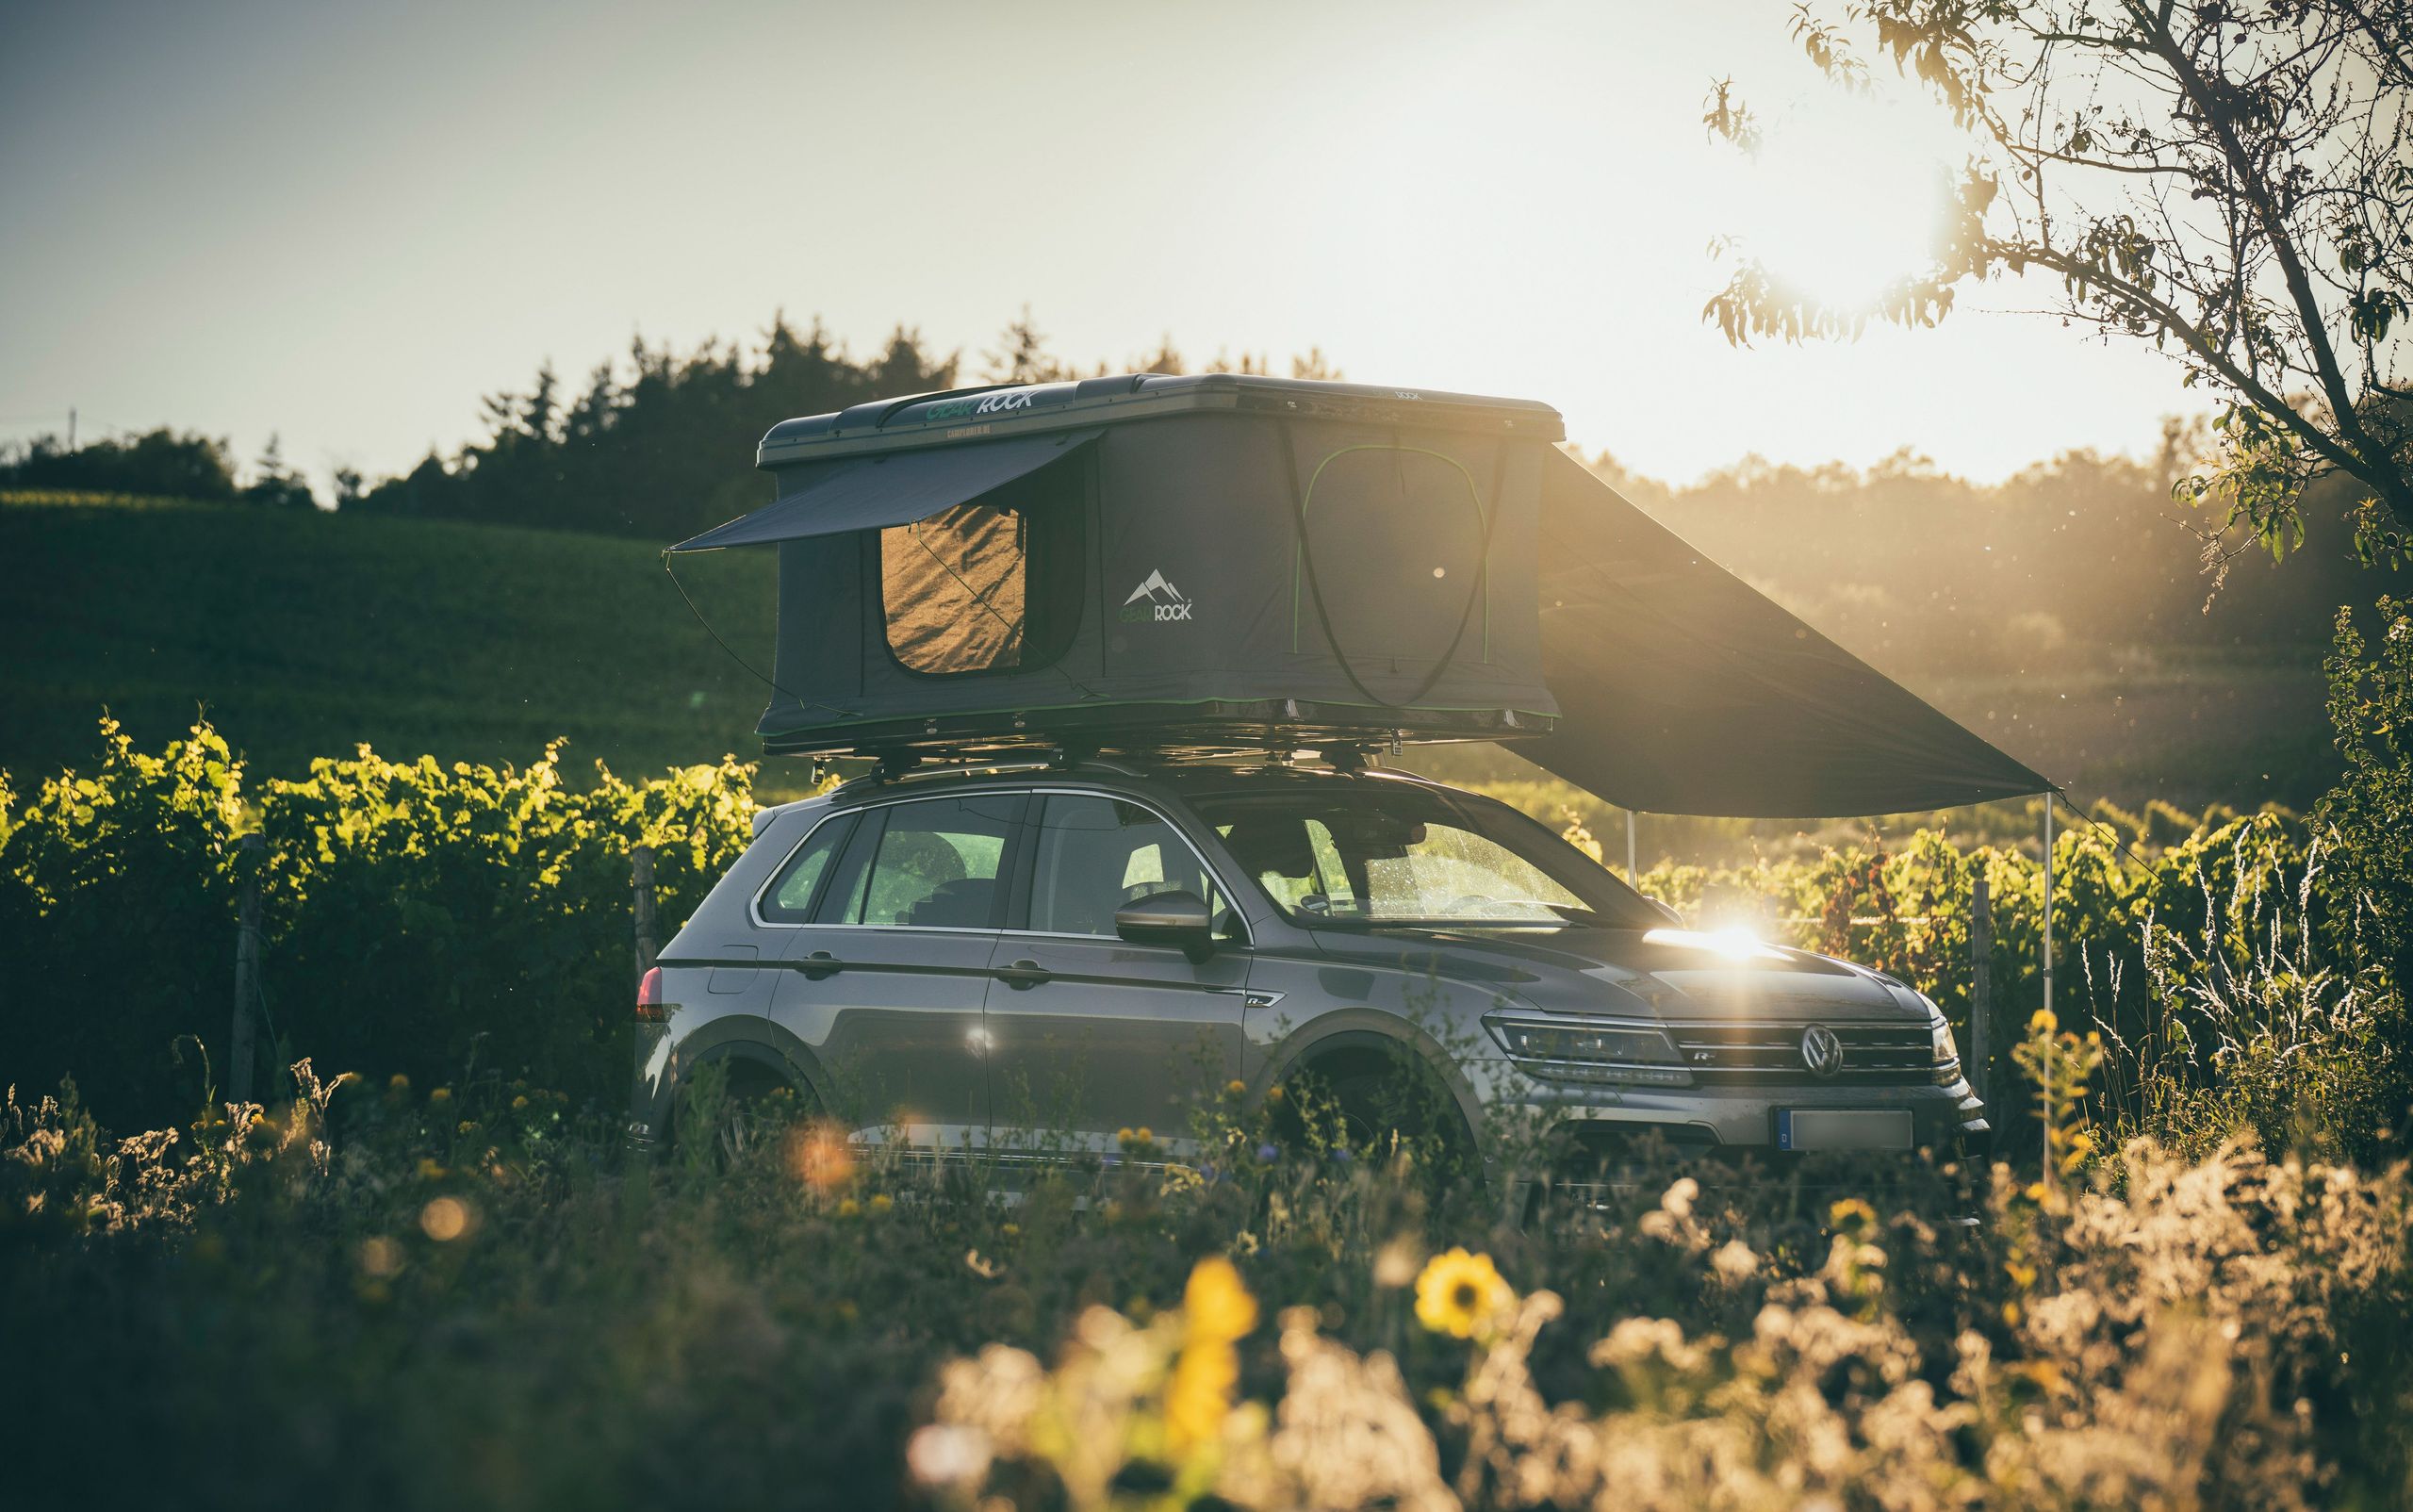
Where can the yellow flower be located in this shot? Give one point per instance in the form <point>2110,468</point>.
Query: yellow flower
<point>848,1207</point>
<point>1458,1293</point>
<point>2042,1022</point>
<point>400,1083</point>
<point>1215,1306</point>
<point>519,1102</point>
<point>1235,1088</point>
<point>441,1094</point>
<point>1199,1395</point>
<point>1852,1210</point>
<point>881,1202</point>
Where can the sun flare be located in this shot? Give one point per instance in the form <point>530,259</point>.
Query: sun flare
<point>1842,199</point>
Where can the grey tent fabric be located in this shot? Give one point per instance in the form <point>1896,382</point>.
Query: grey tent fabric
<point>876,492</point>
<point>1682,690</point>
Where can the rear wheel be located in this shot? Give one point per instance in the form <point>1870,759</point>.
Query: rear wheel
<point>729,1110</point>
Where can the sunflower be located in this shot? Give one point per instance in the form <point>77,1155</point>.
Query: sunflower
<point>1459,1294</point>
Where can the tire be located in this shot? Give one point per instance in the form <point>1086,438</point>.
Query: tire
<point>1383,1102</point>
<point>720,1127</point>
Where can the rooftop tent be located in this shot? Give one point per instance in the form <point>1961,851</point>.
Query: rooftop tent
<point>1227,560</point>
<point>1682,690</point>
<point>1210,560</point>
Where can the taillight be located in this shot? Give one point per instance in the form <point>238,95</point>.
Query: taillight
<point>650,1007</point>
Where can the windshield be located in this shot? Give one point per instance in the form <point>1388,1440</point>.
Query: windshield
<point>1377,853</point>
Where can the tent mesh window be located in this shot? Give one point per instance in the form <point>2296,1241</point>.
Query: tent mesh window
<point>983,586</point>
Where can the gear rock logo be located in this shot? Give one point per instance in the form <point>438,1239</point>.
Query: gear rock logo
<point>1821,1050</point>
<point>1155,599</point>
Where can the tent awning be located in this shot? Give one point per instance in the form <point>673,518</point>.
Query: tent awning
<point>1682,690</point>
<point>899,488</point>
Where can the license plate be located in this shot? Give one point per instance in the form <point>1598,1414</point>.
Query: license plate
<point>1843,1128</point>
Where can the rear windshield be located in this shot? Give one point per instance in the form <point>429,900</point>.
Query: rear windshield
<point>1382,853</point>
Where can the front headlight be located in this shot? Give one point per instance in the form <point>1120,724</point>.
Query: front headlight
<point>1947,1052</point>
<point>1586,1052</point>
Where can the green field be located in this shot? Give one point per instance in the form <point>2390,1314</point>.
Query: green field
<point>305,635</point>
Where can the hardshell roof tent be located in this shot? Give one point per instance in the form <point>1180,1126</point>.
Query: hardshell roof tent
<point>1227,560</point>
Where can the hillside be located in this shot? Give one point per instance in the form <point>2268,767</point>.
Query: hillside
<point>304,635</point>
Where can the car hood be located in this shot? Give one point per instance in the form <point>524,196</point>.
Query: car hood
<point>1628,974</point>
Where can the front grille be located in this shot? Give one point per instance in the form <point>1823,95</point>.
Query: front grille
<point>1875,1055</point>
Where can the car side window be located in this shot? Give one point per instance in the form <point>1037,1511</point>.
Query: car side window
<point>791,895</point>
<point>934,864</point>
<point>1096,854</point>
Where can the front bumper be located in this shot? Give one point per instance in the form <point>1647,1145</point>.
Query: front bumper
<point>1947,1118</point>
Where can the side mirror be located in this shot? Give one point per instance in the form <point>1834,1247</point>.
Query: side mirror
<point>1178,918</point>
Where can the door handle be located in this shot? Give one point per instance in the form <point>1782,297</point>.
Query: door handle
<point>822,963</point>
<point>1022,975</point>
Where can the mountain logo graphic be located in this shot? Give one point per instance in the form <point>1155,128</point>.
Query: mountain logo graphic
<point>1155,599</point>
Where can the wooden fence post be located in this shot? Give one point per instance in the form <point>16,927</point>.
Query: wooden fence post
<point>641,858</point>
<point>241,1048</point>
<point>1982,973</point>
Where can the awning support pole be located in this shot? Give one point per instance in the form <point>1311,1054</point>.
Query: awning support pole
<point>2048,903</point>
<point>1634,878</point>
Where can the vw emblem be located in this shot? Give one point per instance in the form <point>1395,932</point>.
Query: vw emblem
<point>1821,1051</point>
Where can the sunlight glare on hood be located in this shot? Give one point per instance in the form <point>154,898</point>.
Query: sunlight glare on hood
<point>1734,943</point>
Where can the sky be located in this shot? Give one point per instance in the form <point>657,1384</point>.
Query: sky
<point>342,224</point>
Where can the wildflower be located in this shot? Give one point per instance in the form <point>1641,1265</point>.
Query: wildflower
<point>1216,1311</point>
<point>1734,1262</point>
<point>441,1094</point>
<point>1267,1154</point>
<point>2042,1022</point>
<point>1010,1230</point>
<point>399,1083</point>
<point>429,1170</point>
<point>947,1455</point>
<point>881,1202</point>
<point>1340,1153</point>
<point>1852,1211</point>
<point>1214,1304</point>
<point>1272,1094</point>
<point>848,1207</point>
<point>1458,1293</point>
<point>1236,1086</point>
<point>518,1103</point>
<point>466,1125</point>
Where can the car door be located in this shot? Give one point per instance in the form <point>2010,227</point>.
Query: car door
<point>1090,1034</point>
<point>887,978</point>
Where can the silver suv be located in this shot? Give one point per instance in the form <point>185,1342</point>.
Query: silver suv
<point>1023,959</point>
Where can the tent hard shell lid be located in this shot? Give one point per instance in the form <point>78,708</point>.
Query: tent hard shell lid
<point>1227,560</point>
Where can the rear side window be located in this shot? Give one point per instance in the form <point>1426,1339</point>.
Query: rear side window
<point>790,896</point>
<point>928,865</point>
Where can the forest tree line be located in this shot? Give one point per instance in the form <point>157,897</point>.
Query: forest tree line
<point>1902,562</point>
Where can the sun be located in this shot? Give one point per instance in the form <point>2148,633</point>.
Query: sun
<point>1844,198</point>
